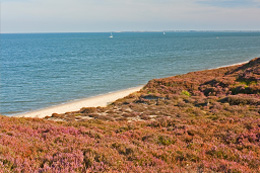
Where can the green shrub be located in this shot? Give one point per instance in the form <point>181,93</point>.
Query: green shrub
<point>184,92</point>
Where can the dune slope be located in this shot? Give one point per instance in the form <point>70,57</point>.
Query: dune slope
<point>206,121</point>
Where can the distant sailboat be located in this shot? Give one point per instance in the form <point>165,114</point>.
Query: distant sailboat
<point>111,35</point>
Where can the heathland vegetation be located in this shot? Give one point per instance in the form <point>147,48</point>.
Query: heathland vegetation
<point>205,121</point>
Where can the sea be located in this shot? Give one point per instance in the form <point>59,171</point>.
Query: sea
<point>43,69</point>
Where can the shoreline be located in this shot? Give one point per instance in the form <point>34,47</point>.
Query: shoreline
<point>240,63</point>
<point>94,101</point>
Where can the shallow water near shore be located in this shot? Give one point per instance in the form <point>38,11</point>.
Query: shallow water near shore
<point>40,70</point>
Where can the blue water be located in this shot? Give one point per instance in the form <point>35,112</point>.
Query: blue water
<point>39,70</point>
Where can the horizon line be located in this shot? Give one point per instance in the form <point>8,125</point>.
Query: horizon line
<point>137,31</point>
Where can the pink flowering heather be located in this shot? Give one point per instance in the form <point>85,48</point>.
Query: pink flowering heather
<point>205,121</point>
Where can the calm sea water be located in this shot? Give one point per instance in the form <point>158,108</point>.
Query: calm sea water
<point>39,70</point>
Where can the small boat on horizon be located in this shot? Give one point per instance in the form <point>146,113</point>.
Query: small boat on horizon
<point>111,35</point>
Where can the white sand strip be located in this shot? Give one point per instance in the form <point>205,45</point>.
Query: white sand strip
<point>240,63</point>
<point>100,100</point>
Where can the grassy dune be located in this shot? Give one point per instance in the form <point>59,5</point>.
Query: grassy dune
<point>206,121</point>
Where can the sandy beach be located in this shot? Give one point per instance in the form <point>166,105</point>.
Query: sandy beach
<point>100,100</point>
<point>240,63</point>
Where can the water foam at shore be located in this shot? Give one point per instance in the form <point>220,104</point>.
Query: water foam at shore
<point>100,100</point>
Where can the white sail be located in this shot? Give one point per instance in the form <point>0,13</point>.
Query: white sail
<point>111,35</point>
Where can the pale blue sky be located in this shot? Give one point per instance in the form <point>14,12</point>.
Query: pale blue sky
<point>128,15</point>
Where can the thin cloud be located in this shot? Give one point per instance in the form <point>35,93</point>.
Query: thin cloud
<point>108,15</point>
<point>231,3</point>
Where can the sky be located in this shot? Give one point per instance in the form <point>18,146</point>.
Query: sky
<point>29,16</point>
